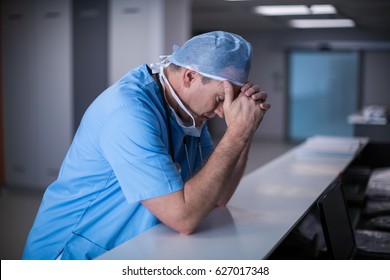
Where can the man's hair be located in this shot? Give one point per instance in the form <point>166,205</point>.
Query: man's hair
<point>175,68</point>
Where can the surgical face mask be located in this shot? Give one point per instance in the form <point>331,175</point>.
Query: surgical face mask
<point>191,130</point>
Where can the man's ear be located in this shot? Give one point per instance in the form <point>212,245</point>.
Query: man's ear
<point>188,77</point>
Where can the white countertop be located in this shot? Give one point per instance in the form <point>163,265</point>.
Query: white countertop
<point>266,206</point>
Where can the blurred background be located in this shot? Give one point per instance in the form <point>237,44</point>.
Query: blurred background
<point>324,64</point>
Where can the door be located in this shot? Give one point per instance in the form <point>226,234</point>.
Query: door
<point>323,91</point>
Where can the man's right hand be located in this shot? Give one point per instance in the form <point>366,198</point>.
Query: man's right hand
<point>244,114</point>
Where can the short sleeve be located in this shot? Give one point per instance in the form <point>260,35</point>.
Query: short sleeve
<point>132,142</point>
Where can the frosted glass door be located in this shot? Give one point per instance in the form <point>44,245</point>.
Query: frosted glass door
<point>324,90</point>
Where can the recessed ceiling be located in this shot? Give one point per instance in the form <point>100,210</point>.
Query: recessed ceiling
<point>369,15</point>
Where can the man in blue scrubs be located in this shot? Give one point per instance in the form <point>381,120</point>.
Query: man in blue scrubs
<point>143,153</point>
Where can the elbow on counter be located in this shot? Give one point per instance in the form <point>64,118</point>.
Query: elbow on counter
<point>185,228</point>
<point>184,225</point>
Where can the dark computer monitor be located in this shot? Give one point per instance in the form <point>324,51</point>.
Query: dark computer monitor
<point>336,224</point>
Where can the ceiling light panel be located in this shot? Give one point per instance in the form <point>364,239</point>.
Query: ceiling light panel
<point>290,10</point>
<point>282,10</point>
<point>321,23</point>
<point>322,9</point>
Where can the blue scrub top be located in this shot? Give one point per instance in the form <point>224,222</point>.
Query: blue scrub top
<point>118,157</point>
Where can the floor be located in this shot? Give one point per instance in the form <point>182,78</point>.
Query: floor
<point>19,206</point>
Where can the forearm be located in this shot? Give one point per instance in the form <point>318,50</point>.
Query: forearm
<point>215,180</point>
<point>235,177</point>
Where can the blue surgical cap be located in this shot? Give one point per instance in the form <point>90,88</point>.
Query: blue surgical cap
<point>218,55</point>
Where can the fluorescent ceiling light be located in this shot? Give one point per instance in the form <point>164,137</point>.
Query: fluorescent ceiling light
<point>282,10</point>
<point>322,9</point>
<point>287,10</point>
<point>321,23</point>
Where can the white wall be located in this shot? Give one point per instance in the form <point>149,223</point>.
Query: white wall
<point>177,24</point>
<point>135,32</point>
<point>37,89</point>
<point>142,30</point>
<point>268,70</point>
